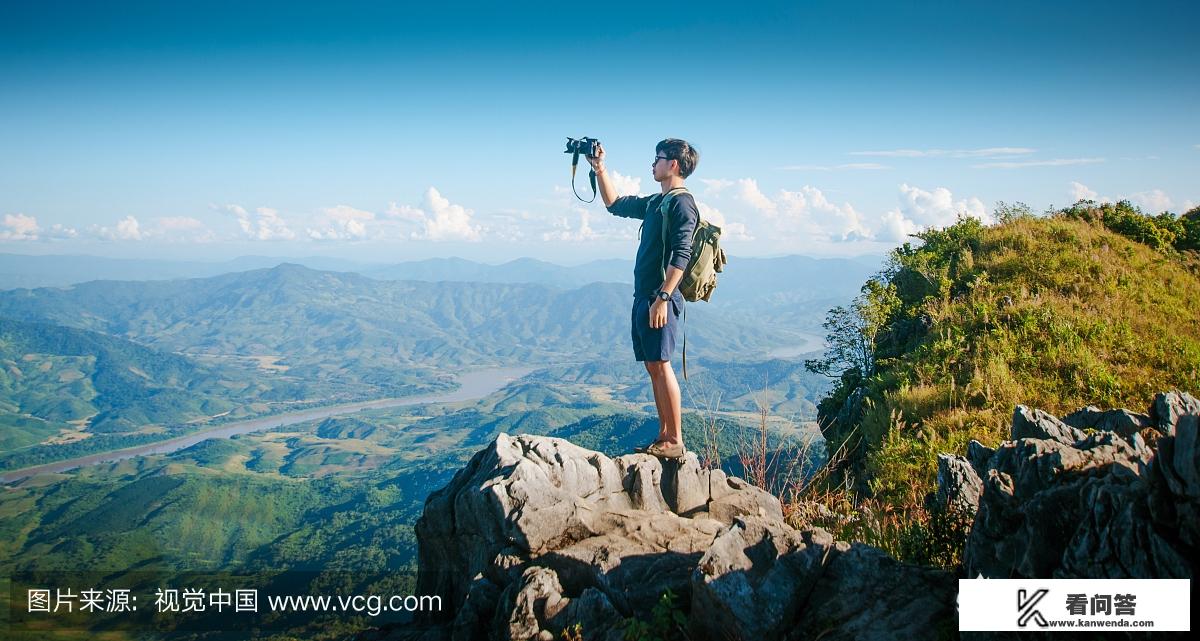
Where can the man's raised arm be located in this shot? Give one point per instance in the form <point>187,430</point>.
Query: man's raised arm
<point>607,192</point>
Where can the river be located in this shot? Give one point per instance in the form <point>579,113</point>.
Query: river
<point>472,385</point>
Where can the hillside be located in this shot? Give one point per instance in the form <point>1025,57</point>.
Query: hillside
<point>1087,305</point>
<point>57,379</point>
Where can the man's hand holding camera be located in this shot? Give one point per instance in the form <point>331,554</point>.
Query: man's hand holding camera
<point>597,160</point>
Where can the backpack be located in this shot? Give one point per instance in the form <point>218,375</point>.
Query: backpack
<point>708,259</point>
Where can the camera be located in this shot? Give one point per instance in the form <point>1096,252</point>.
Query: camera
<point>584,146</point>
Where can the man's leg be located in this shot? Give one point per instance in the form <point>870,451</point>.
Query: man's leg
<point>668,400</point>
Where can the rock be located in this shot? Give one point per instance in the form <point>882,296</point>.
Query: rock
<point>959,486</point>
<point>1057,502</point>
<point>979,455</point>
<point>1121,421</point>
<point>865,595</point>
<point>1170,408</point>
<point>535,535</point>
<point>753,579</point>
<point>1031,423</point>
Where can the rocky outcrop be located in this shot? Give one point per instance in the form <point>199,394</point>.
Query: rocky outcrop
<point>1084,496</point>
<point>536,535</point>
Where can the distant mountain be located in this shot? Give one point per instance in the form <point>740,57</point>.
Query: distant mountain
<point>56,378</point>
<point>345,326</point>
<point>787,278</point>
<point>29,271</point>
<point>521,270</point>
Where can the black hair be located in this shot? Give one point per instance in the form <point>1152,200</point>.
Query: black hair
<point>681,151</point>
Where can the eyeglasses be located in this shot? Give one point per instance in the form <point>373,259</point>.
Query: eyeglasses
<point>658,158</point>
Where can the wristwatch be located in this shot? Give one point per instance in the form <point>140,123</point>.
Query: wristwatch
<point>662,295</point>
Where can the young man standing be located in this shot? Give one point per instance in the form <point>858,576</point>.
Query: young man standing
<point>657,272</point>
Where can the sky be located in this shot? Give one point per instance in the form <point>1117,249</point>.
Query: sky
<point>390,131</point>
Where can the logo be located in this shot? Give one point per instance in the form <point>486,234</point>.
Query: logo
<point>1025,607</point>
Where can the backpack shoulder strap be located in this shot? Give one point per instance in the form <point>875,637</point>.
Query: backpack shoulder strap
<point>663,208</point>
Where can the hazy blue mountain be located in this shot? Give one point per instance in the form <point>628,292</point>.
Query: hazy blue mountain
<point>344,326</point>
<point>521,270</point>
<point>29,271</point>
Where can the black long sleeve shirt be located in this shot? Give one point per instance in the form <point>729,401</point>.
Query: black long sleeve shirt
<point>682,217</point>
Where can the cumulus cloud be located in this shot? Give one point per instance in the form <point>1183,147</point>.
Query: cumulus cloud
<point>1153,201</point>
<point>714,186</point>
<point>128,228</point>
<point>734,231</point>
<point>342,223</point>
<point>1080,191</point>
<point>952,153</point>
<point>181,223</point>
<point>844,166</point>
<point>61,232</point>
<point>438,219</point>
<point>625,185</point>
<point>920,209</point>
<point>748,192</point>
<point>563,231</point>
<point>1056,162</point>
<point>265,224</point>
<point>181,228</point>
<point>800,215</point>
<point>19,227</point>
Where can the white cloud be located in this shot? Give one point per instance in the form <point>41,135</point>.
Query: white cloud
<point>181,228</point>
<point>439,220</point>
<point>1080,191</point>
<point>845,166</point>
<point>181,223</point>
<point>952,153</point>
<point>128,228</point>
<point>625,185</point>
<point>748,192</point>
<point>342,223</point>
<point>802,216</point>
<point>920,209</point>
<point>714,186</point>
<point>267,224</point>
<point>729,230</point>
<point>19,227</point>
<point>1057,162</point>
<point>1154,201</point>
<point>61,231</point>
<point>564,232</point>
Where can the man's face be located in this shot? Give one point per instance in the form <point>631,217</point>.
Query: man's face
<point>661,169</point>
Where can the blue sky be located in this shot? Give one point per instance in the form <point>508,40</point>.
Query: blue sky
<point>390,131</point>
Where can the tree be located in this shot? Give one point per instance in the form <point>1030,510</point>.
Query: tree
<point>853,330</point>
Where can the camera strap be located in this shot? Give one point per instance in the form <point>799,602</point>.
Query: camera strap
<point>591,178</point>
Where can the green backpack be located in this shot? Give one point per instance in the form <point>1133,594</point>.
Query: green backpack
<point>708,259</point>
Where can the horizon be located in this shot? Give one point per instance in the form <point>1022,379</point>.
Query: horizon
<point>386,132</point>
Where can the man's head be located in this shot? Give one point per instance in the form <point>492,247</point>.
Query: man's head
<point>674,157</point>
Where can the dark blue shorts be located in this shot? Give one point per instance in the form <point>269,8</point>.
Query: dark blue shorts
<point>651,344</point>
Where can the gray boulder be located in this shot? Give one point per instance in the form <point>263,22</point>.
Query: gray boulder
<point>1056,502</point>
<point>1033,423</point>
<point>959,486</point>
<point>1124,422</point>
<point>536,535</point>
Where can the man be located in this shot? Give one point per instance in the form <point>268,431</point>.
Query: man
<point>657,301</point>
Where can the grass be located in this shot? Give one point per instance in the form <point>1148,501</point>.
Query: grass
<point>1053,312</point>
